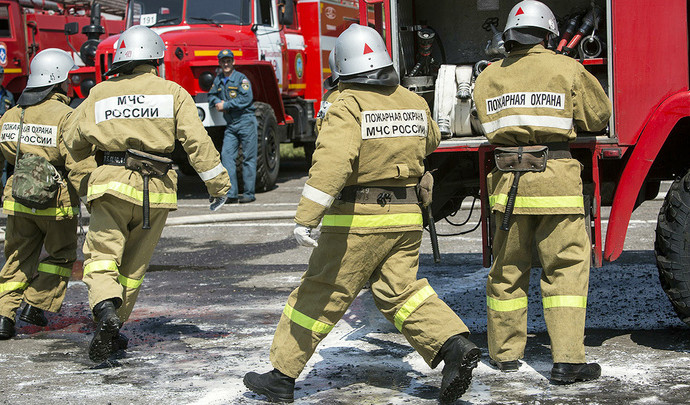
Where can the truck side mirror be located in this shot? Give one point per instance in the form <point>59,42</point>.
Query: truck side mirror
<point>287,12</point>
<point>71,28</point>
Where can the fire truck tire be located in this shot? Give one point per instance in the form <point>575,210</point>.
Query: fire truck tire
<point>309,149</point>
<point>672,246</point>
<point>268,152</point>
<point>186,167</point>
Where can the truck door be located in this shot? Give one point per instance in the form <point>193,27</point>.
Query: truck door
<point>268,36</point>
<point>12,45</point>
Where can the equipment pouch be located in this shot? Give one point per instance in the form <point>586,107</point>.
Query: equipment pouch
<point>147,164</point>
<point>521,158</point>
<point>35,181</point>
<point>425,189</point>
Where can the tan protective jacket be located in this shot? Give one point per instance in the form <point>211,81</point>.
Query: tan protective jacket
<point>144,112</point>
<point>44,128</point>
<point>371,136</point>
<point>532,97</point>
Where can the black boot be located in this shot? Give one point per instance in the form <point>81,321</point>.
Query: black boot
<point>274,385</point>
<point>506,366</point>
<point>120,342</point>
<point>568,373</point>
<point>6,328</point>
<point>460,357</point>
<point>33,315</point>
<point>108,327</point>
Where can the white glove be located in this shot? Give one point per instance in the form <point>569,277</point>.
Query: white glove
<point>306,236</point>
<point>217,202</point>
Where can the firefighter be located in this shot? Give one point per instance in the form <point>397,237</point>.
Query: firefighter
<point>40,283</point>
<point>6,96</point>
<point>535,98</point>
<point>133,120</point>
<point>231,93</point>
<point>332,92</point>
<point>6,102</point>
<point>361,187</point>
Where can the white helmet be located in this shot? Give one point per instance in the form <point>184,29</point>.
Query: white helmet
<point>138,43</point>
<point>529,14</point>
<point>49,67</point>
<point>360,49</point>
<point>331,65</point>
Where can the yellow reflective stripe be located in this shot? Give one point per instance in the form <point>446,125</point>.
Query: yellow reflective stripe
<point>506,305</point>
<point>575,301</point>
<point>565,201</point>
<point>129,191</point>
<point>305,321</point>
<point>11,286</point>
<point>372,221</point>
<point>212,52</point>
<point>100,265</point>
<point>14,206</point>
<point>129,282</point>
<point>411,304</point>
<point>53,269</point>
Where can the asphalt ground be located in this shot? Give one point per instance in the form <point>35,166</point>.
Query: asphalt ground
<point>214,293</point>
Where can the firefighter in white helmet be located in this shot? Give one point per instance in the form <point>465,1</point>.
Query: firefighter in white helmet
<point>133,120</point>
<point>40,282</point>
<point>362,189</point>
<point>532,102</point>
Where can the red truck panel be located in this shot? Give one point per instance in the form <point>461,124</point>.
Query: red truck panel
<point>650,60</point>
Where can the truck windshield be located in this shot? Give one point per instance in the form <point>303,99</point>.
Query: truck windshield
<point>154,13</point>
<point>235,12</point>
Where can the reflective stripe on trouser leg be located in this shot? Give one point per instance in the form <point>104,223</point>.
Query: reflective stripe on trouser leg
<point>506,288</point>
<point>410,304</point>
<point>564,283</point>
<point>23,241</point>
<point>48,288</point>
<point>338,268</point>
<point>138,250</point>
<point>115,235</point>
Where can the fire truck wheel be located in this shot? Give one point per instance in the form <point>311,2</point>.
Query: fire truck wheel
<point>268,152</point>
<point>672,246</point>
<point>186,167</point>
<point>309,148</point>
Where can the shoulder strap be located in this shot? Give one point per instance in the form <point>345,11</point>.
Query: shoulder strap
<point>19,138</point>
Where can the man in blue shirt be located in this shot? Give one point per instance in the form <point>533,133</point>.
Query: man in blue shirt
<point>6,102</point>
<point>231,93</point>
<point>6,97</point>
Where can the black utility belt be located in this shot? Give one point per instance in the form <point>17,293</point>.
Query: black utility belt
<point>132,158</point>
<point>378,195</point>
<point>529,158</point>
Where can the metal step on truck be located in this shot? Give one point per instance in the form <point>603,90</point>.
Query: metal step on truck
<point>639,52</point>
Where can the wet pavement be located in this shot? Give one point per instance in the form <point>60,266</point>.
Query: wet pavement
<point>214,293</point>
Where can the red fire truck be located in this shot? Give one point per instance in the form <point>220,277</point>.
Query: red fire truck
<point>29,26</point>
<point>281,46</point>
<point>643,66</point>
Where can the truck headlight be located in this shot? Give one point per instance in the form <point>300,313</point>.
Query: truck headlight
<point>202,113</point>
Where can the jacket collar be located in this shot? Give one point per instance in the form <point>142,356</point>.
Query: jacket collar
<point>58,97</point>
<point>145,68</point>
<point>526,50</point>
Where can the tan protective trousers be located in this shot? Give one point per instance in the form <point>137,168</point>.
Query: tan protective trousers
<point>338,269</point>
<point>564,250</point>
<point>117,250</point>
<point>43,284</point>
